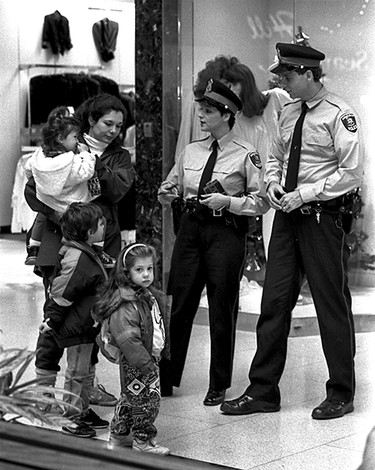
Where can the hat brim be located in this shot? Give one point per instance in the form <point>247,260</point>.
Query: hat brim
<point>219,100</point>
<point>290,63</point>
<point>277,68</point>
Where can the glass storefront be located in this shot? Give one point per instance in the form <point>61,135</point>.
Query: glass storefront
<point>249,30</point>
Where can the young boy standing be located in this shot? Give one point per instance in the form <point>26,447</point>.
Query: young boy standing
<point>67,310</point>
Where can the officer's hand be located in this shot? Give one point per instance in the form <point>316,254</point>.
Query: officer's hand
<point>215,201</point>
<point>291,201</point>
<point>167,192</point>
<point>167,187</point>
<point>274,192</point>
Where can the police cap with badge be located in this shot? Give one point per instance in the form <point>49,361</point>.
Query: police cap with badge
<point>221,96</point>
<point>295,56</point>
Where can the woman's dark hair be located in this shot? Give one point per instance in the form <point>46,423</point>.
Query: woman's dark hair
<point>96,107</point>
<point>214,68</point>
<point>254,101</point>
<point>57,124</point>
<point>78,219</point>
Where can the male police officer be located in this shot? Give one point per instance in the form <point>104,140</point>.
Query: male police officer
<point>316,159</point>
<point>210,244</point>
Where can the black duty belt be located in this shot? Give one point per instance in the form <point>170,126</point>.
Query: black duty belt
<point>238,222</point>
<point>332,206</point>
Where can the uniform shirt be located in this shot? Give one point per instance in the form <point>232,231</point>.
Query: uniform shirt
<point>332,152</point>
<point>237,168</point>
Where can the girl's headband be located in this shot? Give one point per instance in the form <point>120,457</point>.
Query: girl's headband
<point>129,249</point>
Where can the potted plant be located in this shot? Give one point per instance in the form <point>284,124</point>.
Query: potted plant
<point>27,402</point>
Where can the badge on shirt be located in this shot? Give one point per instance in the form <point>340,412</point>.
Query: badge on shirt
<point>349,122</point>
<point>255,159</point>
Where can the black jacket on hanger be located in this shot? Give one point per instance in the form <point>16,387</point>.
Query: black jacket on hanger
<point>56,33</point>
<point>105,36</point>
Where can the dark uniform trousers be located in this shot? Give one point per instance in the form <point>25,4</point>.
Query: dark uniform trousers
<point>210,253</point>
<point>300,245</point>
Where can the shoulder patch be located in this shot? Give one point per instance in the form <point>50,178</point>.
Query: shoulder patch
<point>255,159</point>
<point>348,119</point>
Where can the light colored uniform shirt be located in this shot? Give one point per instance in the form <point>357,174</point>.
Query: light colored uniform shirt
<point>332,150</point>
<point>238,169</point>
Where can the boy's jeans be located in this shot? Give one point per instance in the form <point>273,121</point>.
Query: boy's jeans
<point>78,377</point>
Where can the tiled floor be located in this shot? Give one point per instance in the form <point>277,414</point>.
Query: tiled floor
<point>288,440</point>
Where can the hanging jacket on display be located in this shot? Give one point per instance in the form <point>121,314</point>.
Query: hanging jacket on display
<point>105,37</point>
<point>56,33</point>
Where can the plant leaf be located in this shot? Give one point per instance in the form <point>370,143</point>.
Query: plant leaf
<point>22,369</point>
<point>11,359</point>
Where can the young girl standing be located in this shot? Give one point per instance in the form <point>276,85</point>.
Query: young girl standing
<point>138,322</point>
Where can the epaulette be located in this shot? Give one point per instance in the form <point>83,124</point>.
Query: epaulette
<point>291,102</point>
<point>243,143</point>
<point>337,101</point>
<point>200,140</point>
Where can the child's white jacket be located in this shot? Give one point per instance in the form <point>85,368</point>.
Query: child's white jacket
<point>63,179</point>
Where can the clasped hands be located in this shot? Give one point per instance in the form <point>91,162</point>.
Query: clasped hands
<point>281,200</point>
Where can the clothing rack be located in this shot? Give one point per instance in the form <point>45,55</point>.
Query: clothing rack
<point>89,68</point>
<point>105,9</point>
<point>61,66</point>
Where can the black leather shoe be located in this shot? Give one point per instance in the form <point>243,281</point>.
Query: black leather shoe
<point>330,409</point>
<point>214,397</point>
<point>166,391</point>
<point>245,405</point>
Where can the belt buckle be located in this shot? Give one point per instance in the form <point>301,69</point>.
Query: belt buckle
<point>217,212</point>
<point>307,210</point>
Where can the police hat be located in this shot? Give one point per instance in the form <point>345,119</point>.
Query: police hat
<point>219,94</point>
<point>295,56</point>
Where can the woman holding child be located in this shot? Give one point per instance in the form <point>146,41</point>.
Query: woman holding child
<point>102,119</point>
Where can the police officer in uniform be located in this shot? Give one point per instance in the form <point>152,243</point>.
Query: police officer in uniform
<point>307,237</point>
<point>211,242</point>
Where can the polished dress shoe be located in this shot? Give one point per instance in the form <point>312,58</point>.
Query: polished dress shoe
<point>245,405</point>
<point>330,409</point>
<point>214,397</point>
<point>166,391</point>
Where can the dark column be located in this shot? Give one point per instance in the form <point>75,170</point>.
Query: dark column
<point>156,117</point>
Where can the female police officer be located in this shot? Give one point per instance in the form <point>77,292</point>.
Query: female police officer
<point>210,244</point>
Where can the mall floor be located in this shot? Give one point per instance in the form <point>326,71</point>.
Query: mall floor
<point>289,439</point>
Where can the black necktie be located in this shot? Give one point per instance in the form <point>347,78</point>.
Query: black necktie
<point>295,152</point>
<point>208,169</point>
<point>207,173</point>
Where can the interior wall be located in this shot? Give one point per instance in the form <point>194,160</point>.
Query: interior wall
<point>20,44</point>
<point>9,98</point>
<point>245,29</point>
